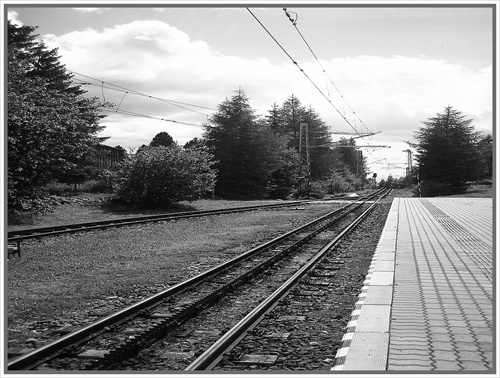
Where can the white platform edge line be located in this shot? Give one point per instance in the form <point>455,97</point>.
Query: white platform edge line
<point>343,351</point>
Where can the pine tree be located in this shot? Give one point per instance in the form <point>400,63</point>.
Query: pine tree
<point>447,153</point>
<point>485,150</point>
<point>319,145</point>
<point>248,152</point>
<point>292,115</point>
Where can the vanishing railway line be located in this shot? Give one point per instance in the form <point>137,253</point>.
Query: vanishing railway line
<point>276,266</point>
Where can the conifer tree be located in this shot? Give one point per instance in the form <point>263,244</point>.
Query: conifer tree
<point>252,159</point>
<point>446,153</point>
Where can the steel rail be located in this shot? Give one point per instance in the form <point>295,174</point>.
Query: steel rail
<point>211,357</point>
<point>87,226</point>
<point>48,351</point>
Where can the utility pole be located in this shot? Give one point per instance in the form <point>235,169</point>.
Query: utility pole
<point>359,164</point>
<point>408,162</point>
<point>304,156</point>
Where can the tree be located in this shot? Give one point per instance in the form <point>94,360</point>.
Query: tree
<point>346,154</point>
<point>247,151</point>
<point>319,145</point>
<point>274,119</point>
<point>160,176</point>
<point>37,60</point>
<point>485,150</point>
<point>287,120</point>
<point>196,143</point>
<point>292,115</point>
<point>162,139</point>
<point>50,126</point>
<point>446,153</point>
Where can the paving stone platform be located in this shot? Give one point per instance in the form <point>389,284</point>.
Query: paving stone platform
<point>427,301</point>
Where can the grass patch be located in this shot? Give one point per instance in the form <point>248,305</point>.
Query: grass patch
<point>90,207</point>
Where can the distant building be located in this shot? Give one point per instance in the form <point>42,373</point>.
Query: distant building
<point>109,157</point>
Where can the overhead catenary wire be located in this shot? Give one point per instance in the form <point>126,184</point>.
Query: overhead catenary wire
<point>147,116</point>
<point>119,88</point>
<point>152,97</point>
<point>294,23</point>
<point>294,62</point>
<point>141,115</point>
<point>135,114</point>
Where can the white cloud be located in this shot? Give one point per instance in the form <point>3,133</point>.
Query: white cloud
<point>13,17</point>
<point>389,94</point>
<point>90,10</point>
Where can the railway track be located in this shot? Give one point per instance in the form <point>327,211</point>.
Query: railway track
<point>104,344</point>
<point>226,343</point>
<point>32,233</point>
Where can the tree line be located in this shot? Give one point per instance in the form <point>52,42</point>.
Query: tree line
<point>245,156</point>
<point>53,131</point>
<point>53,127</point>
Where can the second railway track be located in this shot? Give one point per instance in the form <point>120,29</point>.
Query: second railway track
<point>40,232</point>
<point>104,344</point>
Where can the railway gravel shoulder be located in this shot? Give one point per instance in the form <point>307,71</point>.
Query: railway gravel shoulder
<point>302,333</point>
<point>69,277</point>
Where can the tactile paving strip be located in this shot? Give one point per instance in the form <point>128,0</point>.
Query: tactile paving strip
<point>478,251</point>
<point>442,307</point>
<point>441,299</point>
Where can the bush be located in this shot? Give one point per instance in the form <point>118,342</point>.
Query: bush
<point>340,183</point>
<point>160,176</point>
<point>106,182</point>
<point>436,188</point>
<point>26,209</point>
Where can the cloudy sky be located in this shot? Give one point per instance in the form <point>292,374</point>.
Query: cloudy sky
<point>381,68</point>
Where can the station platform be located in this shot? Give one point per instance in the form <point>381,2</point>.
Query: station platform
<point>427,301</point>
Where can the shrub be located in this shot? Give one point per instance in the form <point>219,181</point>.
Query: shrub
<point>106,182</point>
<point>160,176</point>
<point>436,188</point>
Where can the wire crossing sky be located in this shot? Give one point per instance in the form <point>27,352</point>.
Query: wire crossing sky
<point>398,64</point>
<point>305,74</point>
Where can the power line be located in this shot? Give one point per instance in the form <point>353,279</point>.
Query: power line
<point>127,112</point>
<point>301,70</point>
<point>147,116</point>
<point>294,22</point>
<point>119,88</point>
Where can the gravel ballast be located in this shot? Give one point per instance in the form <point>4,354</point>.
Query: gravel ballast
<point>61,283</point>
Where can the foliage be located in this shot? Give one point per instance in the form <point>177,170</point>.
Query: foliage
<point>286,120</point>
<point>388,184</point>
<point>253,160</point>
<point>432,188</point>
<point>341,180</point>
<point>106,181</point>
<point>162,139</point>
<point>196,143</point>
<point>485,149</point>
<point>347,155</point>
<point>286,174</point>
<point>50,124</point>
<point>160,176</point>
<point>447,153</point>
